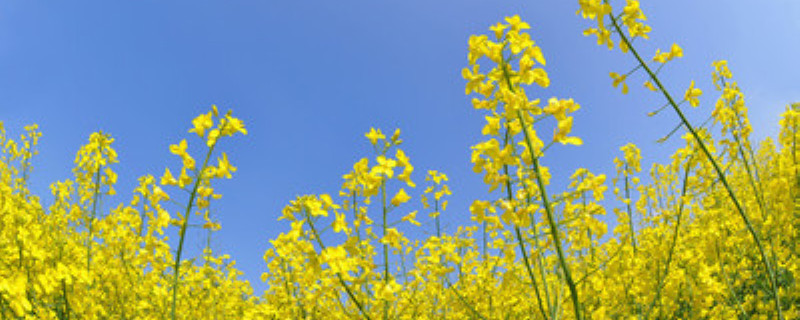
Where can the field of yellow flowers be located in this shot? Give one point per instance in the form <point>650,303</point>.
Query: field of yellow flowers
<point>712,234</point>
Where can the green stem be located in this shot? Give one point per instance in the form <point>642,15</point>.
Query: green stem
<point>630,211</point>
<point>338,275</point>
<point>95,199</point>
<point>546,203</point>
<point>728,284</point>
<point>66,300</point>
<point>464,301</point>
<point>520,240</point>
<point>187,213</point>
<point>385,248</point>
<point>716,166</point>
<point>752,177</point>
<point>551,221</point>
<point>539,258</point>
<point>671,251</point>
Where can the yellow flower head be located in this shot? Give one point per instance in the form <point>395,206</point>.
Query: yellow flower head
<point>619,79</point>
<point>167,178</point>
<point>411,218</point>
<point>224,168</point>
<point>202,123</point>
<point>374,135</point>
<point>400,198</point>
<point>691,95</point>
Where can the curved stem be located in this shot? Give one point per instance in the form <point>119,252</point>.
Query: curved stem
<point>187,213</point>
<point>546,203</point>
<point>520,240</point>
<point>338,275</point>
<point>551,221</point>
<point>662,279</point>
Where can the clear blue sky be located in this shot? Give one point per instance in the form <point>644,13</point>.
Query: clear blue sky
<point>310,78</point>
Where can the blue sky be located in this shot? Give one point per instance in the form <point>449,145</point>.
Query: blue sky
<point>310,78</point>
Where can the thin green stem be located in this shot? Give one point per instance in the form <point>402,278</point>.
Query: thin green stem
<point>716,166</point>
<point>671,252</point>
<point>630,211</point>
<point>464,301</point>
<point>338,275</point>
<point>728,284</point>
<point>551,220</point>
<point>66,310</point>
<point>385,248</point>
<point>187,213</point>
<point>520,240</point>
<point>95,200</point>
<point>546,203</point>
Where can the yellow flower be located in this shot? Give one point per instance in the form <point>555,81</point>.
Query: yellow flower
<point>664,57</point>
<point>675,51</point>
<point>591,9</point>
<point>516,23</point>
<point>202,123</point>
<point>213,136</point>
<point>631,15</point>
<point>232,125</point>
<point>392,238</point>
<point>396,137</point>
<point>314,206</point>
<point>619,79</point>
<point>385,167</point>
<point>477,45</point>
<point>210,225</point>
<point>563,128</point>
<point>184,179</point>
<point>596,10</point>
<point>649,85</point>
<point>410,217</point>
<point>474,79</point>
<point>336,258</point>
<point>404,161</point>
<point>492,126</point>
<point>691,95</point>
<point>400,198</point>
<point>340,224</point>
<point>402,158</point>
<point>519,42</point>
<point>224,168</point>
<point>498,29</point>
<point>445,190</point>
<point>374,135</point>
<point>179,149</point>
<point>387,291</point>
<point>478,209</point>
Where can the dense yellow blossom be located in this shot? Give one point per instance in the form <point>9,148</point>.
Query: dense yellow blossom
<point>712,233</point>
